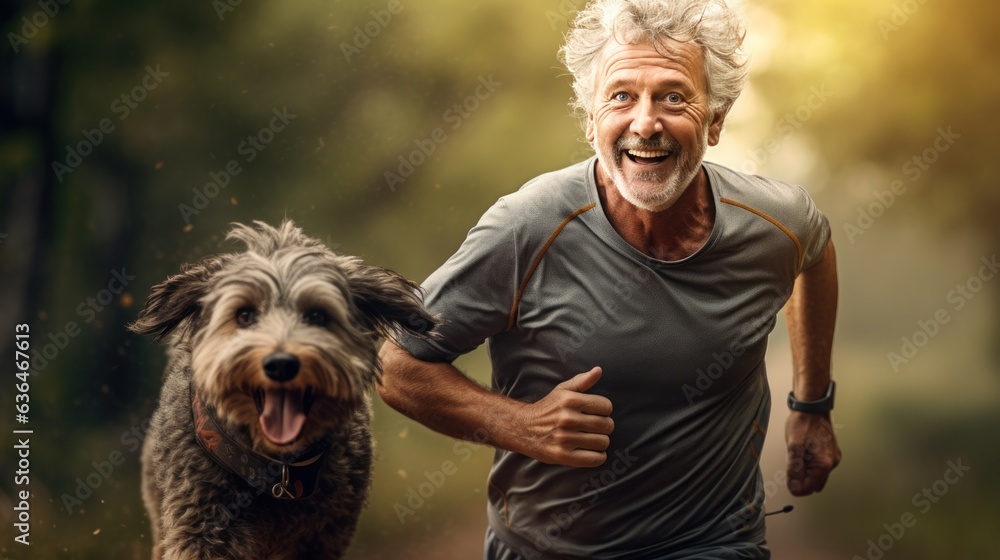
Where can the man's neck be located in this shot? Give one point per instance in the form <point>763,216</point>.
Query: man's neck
<point>671,234</point>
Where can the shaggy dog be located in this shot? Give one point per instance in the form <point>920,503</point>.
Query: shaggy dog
<point>260,446</point>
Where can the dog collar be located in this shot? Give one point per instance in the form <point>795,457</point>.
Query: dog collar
<point>287,480</point>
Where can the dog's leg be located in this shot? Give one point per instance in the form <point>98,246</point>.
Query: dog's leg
<point>207,517</point>
<point>195,511</point>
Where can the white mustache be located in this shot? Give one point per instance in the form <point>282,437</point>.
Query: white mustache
<point>652,144</point>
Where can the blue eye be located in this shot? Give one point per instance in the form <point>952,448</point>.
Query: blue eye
<point>621,96</point>
<point>674,98</point>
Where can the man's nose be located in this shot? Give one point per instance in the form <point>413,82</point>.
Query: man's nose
<point>646,119</point>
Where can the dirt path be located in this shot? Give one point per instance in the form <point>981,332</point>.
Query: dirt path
<point>457,542</point>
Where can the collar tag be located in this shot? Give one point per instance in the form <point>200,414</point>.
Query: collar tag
<point>280,490</point>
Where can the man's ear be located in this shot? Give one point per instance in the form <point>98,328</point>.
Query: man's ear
<point>176,300</point>
<point>591,133</point>
<point>386,301</point>
<point>715,127</point>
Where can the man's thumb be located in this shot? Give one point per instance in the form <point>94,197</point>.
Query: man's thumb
<point>582,381</point>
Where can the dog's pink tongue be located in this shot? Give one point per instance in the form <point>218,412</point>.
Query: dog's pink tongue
<point>283,415</point>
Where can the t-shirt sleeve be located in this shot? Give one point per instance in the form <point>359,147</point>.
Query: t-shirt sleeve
<point>815,231</point>
<point>472,292</point>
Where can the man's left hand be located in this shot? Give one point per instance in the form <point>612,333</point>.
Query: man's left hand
<point>812,451</point>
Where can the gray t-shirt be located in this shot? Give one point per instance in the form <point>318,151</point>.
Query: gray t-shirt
<point>548,281</point>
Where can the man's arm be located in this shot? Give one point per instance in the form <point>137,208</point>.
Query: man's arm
<point>811,315</point>
<point>566,427</point>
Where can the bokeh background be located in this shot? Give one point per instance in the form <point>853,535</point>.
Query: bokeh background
<point>849,98</point>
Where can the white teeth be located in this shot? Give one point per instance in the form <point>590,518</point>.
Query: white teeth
<point>655,154</point>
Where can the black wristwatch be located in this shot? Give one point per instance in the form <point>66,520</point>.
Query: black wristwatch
<point>824,404</point>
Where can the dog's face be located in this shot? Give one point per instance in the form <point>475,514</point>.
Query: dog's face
<point>282,337</point>
<point>279,339</point>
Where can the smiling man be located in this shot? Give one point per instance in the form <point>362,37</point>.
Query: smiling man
<point>627,301</point>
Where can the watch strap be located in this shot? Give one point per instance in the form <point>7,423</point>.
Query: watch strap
<point>825,404</point>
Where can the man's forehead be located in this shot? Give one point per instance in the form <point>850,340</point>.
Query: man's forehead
<point>683,57</point>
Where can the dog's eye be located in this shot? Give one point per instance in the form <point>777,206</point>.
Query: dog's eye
<point>246,317</point>
<point>316,317</point>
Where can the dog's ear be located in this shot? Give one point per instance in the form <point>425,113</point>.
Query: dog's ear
<point>176,299</point>
<point>388,302</point>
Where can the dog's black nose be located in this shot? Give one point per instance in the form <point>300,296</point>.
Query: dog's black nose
<point>281,366</point>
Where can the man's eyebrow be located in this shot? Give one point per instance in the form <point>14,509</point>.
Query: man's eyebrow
<point>620,83</point>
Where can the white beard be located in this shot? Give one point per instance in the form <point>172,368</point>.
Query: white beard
<point>653,191</point>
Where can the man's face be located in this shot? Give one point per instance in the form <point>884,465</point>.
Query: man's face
<point>650,122</point>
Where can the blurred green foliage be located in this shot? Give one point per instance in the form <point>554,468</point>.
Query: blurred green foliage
<point>368,87</point>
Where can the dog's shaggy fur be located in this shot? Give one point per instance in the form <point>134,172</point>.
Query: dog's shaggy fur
<point>225,317</point>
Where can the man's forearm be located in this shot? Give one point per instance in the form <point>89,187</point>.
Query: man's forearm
<point>442,398</point>
<point>811,315</point>
<point>565,427</point>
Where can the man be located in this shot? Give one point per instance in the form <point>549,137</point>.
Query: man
<point>658,277</point>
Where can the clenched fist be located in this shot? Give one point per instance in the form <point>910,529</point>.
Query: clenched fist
<point>568,426</point>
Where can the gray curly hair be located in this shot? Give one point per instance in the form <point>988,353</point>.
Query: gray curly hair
<point>710,24</point>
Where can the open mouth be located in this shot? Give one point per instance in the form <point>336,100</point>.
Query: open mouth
<point>283,412</point>
<point>647,157</point>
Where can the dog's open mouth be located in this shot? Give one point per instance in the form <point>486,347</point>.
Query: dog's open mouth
<point>283,412</point>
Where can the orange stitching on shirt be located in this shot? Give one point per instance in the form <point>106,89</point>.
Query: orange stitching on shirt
<point>757,427</point>
<point>506,518</point>
<point>776,223</point>
<point>538,259</point>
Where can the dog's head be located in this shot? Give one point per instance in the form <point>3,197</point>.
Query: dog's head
<point>282,336</point>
